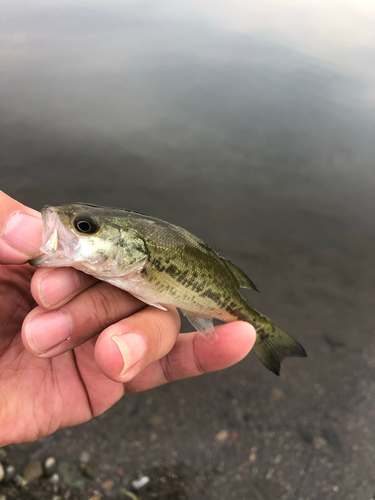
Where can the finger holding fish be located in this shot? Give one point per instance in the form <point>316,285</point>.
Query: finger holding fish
<point>128,347</point>
<point>50,333</point>
<point>192,355</point>
<point>54,287</point>
<point>20,231</point>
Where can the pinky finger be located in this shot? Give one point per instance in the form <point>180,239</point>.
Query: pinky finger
<point>192,355</point>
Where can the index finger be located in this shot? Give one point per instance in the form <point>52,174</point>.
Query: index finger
<point>20,231</point>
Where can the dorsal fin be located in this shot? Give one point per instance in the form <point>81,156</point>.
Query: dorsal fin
<point>243,280</point>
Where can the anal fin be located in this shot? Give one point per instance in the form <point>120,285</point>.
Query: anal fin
<point>205,326</point>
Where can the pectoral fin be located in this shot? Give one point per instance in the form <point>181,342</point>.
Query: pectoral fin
<point>205,326</point>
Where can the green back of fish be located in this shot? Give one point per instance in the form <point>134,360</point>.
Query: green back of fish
<point>192,276</point>
<point>183,271</point>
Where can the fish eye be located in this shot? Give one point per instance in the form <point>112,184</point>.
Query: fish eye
<point>86,225</point>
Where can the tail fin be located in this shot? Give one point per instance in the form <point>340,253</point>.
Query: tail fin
<point>273,344</point>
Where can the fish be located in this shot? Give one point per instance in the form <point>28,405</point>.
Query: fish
<point>161,264</point>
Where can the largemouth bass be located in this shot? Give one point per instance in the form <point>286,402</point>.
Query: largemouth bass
<point>161,264</point>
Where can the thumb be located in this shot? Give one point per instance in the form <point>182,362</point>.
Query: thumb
<point>20,231</point>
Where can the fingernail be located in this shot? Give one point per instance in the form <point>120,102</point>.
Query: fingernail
<point>48,330</point>
<point>132,348</point>
<point>24,233</point>
<point>57,286</point>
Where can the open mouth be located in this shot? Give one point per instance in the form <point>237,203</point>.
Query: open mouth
<point>58,243</point>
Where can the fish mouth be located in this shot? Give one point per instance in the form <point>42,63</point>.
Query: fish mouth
<point>58,243</point>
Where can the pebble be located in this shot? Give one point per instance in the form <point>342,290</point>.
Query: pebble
<point>55,480</point>
<point>156,420</point>
<point>153,436</point>
<point>277,394</point>
<point>96,496</point>
<point>222,435</point>
<point>3,497</point>
<point>49,466</point>
<point>140,483</point>
<point>32,470</point>
<point>87,470</point>
<point>19,481</point>
<point>319,442</point>
<point>84,457</point>
<point>2,472</point>
<point>107,485</point>
<point>10,472</point>
<point>253,454</point>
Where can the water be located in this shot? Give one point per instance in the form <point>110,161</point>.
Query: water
<point>251,124</point>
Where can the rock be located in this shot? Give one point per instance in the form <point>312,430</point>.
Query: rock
<point>3,497</point>
<point>107,485</point>
<point>2,472</point>
<point>19,481</point>
<point>156,420</point>
<point>140,482</point>
<point>55,480</point>
<point>319,442</point>
<point>84,457</point>
<point>153,436</point>
<point>32,470</point>
<point>222,435</point>
<point>87,470</point>
<point>3,454</point>
<point>277,394</point>
<point>96,495</point>
<point>253,454</point>
<point>10,472</point>
<point>49,466</point>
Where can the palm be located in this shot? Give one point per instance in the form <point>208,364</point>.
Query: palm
<point>40,393</point>
<point>38,396</point>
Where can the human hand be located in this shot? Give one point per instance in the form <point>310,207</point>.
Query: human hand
<point>71,346</point>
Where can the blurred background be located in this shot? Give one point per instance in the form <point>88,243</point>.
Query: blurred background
<point>252,125</point>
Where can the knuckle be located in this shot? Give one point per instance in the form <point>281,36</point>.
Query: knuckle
<point>196,356</point>
<point>103,306</point>
<point>166,368</point>
<point>165,325</point>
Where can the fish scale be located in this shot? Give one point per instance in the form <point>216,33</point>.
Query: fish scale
<point>161,264</point>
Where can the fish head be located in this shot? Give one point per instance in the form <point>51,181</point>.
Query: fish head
<point>88,238</point>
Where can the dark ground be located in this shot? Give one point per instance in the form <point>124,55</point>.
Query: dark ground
<point>273,166</point>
